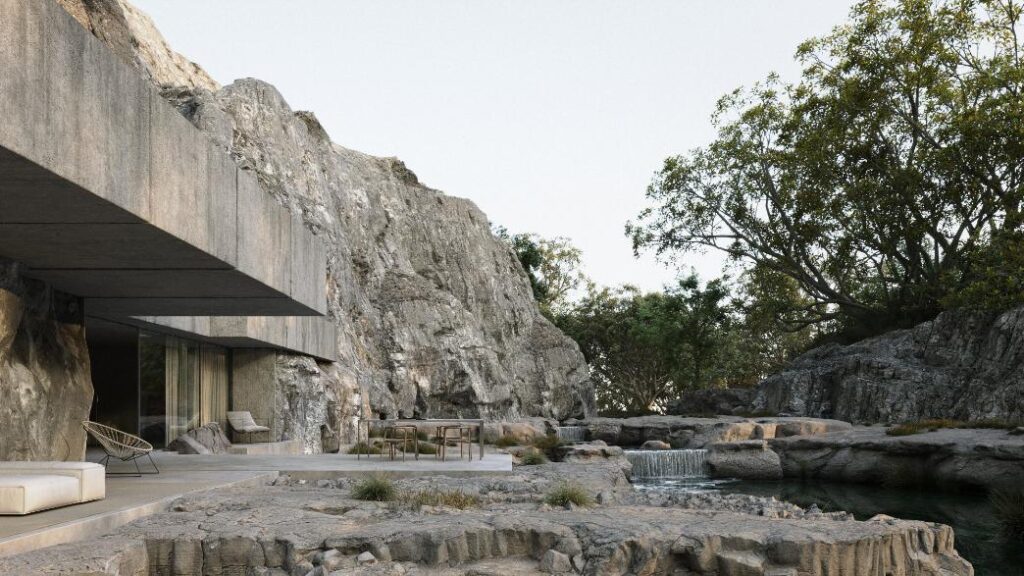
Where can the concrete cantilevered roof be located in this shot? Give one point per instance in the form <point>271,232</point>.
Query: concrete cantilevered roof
<point>108,193</point>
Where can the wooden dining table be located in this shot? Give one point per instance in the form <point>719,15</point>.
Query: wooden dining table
<point>477,423</point>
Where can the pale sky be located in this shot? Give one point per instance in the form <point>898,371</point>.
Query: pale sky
<point>551,115</point>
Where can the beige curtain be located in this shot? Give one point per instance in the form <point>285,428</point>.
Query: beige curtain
<point>182,382</point>
<point>214,386</point>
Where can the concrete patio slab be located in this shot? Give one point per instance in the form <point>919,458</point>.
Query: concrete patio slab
<point>129,498</point>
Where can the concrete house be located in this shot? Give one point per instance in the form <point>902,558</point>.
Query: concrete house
<point>133,253</point>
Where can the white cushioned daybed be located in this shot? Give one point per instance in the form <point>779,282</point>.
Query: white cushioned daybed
<point>27,487</point>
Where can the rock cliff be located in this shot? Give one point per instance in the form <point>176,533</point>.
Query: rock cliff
<point>435,316</point>
<point>45,385</point>
<point>962,365</point>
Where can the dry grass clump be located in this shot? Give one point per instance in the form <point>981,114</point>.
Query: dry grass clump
<point>548,445</point>
<point>506,441</point>
<point>1008,507</point>
<point>932,424</point>
<point>532,457</point>
<point>435,497</point>
<point>364,448</point>
<point>568,493</point>
<point>377,488</point>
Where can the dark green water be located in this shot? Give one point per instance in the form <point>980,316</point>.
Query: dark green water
<point>978,538</point>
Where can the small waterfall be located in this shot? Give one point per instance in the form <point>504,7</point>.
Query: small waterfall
<point>668,463</point>
<point>572,433</point>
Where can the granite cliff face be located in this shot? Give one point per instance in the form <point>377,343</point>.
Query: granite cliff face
<point>45,384</point>
<point>962,365</point>
<point>435,316</point>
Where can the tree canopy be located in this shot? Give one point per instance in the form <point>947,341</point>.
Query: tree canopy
<point>553,266</point>
<point>884,185</point>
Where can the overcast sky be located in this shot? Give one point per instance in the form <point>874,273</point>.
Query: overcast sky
<point>550,115</point>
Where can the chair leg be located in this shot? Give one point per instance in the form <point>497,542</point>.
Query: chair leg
<point>153,462</point>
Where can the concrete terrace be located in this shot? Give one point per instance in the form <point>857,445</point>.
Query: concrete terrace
<point>130,498</point>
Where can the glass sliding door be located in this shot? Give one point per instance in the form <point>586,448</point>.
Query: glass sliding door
<point>182,385</point>
<point>152,388</point>
<point>214,383</point>
<point>181,362</point>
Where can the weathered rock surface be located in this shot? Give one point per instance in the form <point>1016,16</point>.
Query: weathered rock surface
<point>962,365</point>
<point>45,381</point>
<point>205,439</point>
<point>435,316</point>
<point>695,432</point>
<point>295,528</point>
<point>713,401</point>
<point>750,460</point>
<point>949,457</point>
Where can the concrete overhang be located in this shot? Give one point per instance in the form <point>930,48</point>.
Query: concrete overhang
<point>309,335</point>
<point>108,193</point>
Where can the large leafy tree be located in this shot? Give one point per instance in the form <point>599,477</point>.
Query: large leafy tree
<point>553,266</point>
<point>880,182</point>
<point>643,348</point>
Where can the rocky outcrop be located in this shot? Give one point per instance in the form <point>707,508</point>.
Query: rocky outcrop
<point>713,401</point>
<point>749,460</point>
<point>435,316</point>
<point>45,382</point>
<point>205,439</point>
<point>962,365</point>
<point>690,432</point>
<point>951,458</point>
<point>294,528</point>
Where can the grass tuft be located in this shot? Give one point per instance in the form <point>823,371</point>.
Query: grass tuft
<point>506,441</point>
<point>377,488</point>
<point>450,498</point>
<point>1008,507</point>
<point>566,494</point>
<point>548,445</point>
<point>364,448</point>
<point>532,457</point>
<point>932,424</point>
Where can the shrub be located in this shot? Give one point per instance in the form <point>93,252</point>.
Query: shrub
<point>364,448</point>
<point>1008,508</point>
<point>452,499</point>
<point>548,445</point>
<point>566,494</point>
<point>932,424</point>
<point>506,441</point>
<point>377,488</point>
<point>532,457</point>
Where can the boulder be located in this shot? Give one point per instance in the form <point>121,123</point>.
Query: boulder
<point>748,460</point>
<point>554,562</point>
<point>713,401</point>
<point>205,439</point>
<point>655,445</point>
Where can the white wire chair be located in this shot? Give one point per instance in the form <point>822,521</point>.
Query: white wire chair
<point>121,445</point>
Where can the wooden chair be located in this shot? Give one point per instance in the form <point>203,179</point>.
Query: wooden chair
<point>243,423</point>
<point>463,437</point>
<point>121,445</point>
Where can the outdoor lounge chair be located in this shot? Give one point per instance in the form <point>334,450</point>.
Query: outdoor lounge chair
<point>242,423</point>
<point>121,445</point>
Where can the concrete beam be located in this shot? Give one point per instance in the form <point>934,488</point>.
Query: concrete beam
<point>107,192</point>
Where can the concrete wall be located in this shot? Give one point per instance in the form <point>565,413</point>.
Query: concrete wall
<point>107,192</point>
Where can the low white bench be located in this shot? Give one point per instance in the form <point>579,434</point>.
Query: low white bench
<point>27,487</point>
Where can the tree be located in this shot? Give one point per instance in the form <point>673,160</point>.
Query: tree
<point>552,265</point>
<point>874,182</point>
<point>643,349</point>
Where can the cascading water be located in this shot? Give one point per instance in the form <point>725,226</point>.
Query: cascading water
<point>572,433</point>
<point>668,463</point>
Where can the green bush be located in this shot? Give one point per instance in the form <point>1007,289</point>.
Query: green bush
<point>377,488</point>
<point>932,424</point>
<point>434,497</point>
<point>566,494</point>
<point>364,448</point>
<point>548,445</point>
<point>506,441</point>
<point>532,457</point>
<point>1008,508</point>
